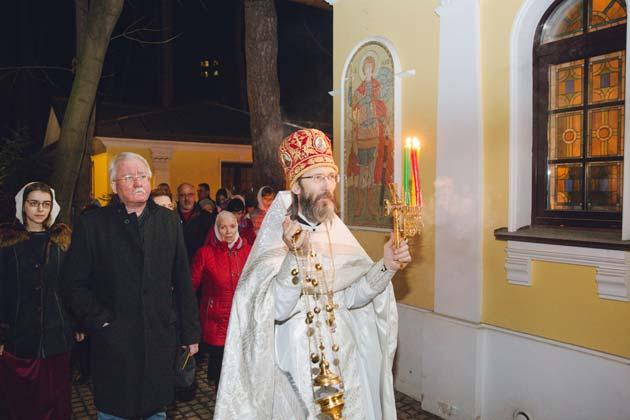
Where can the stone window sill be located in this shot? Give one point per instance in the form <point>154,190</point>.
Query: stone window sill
<point>580,237</point>
<point>602,249</point>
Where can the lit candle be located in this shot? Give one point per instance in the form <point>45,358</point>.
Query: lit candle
<point>406,172</point>
<point>416,147</point>
<point>414,174</point>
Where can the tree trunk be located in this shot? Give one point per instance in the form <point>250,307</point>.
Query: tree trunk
<point>263,90</point>
<point>83,185</point>
<point>102,18</point>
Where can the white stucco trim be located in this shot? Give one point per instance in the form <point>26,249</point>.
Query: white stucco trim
<point>161,157</point>
<point>397,120</point>
<point>521,119</point>
<point>183,145</point>
<point>613,266</point>
<point>459,163</point>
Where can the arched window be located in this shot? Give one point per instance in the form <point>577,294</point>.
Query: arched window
<point>579,80</point>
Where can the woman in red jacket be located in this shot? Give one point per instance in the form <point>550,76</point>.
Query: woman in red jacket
<point>217,267</point>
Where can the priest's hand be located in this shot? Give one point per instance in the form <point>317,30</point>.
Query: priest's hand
<point>396,258</point>
<point>292,234</point>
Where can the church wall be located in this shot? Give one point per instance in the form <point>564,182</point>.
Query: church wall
<point>562,303</point>
<point>412,28</point>
<point>555,349</point>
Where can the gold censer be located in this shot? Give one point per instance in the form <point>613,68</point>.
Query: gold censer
<point>331,404</point>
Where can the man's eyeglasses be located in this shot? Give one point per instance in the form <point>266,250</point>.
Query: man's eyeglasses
<point>34,204</point>
<point>128,179</point>
<point>319,178</point>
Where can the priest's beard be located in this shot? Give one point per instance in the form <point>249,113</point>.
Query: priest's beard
<point>318,208</point>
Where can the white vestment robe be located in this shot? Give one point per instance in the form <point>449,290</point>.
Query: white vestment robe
<point>266,370</point>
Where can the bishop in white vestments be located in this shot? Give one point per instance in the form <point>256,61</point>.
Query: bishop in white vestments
<point>314,321</point>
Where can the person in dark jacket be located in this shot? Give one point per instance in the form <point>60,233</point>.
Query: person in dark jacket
<point>217,267</point>
<point>35,330</point>
<point>221,199</point>
<point>245,226</point>
<point>195,221</point>
<point>128,282</point>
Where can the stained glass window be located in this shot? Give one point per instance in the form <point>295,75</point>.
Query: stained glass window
<point>605,13</point>
<point>580,110</point>
<point>604,186</point>
<point>565,135</point>
<point>565,184</point>
<point>566,21</point>
<point>606,134</point>
<point>606,77</point>
<point>566,84</point>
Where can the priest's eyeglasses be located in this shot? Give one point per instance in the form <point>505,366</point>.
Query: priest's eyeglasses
<point>128,179</point>
<point>320,178</point>
<point>37,204</point>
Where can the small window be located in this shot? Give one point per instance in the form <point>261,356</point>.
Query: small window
<point>579,107</point>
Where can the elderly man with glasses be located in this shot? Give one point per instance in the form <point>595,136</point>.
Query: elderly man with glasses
<point>128,282</point>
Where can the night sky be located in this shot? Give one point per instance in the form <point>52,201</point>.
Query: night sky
<point>42,33</point>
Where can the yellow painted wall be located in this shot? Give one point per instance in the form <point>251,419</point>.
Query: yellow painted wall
<point>194,167</point>
<point>562,303</point>
<point>198,167</point>
<point>100,181</point>
<point>413,28</point>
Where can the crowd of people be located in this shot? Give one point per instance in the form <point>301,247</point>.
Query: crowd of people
<point>126,277</point>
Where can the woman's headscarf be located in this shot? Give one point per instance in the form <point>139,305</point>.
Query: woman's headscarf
<point>219,218</point>
<point>259,196</point>
<point>19,206</point>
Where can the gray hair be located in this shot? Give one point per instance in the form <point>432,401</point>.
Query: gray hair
<point>224,215</point>
<point>112,170</point>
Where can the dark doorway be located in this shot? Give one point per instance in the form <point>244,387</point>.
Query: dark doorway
<point>237,177</point>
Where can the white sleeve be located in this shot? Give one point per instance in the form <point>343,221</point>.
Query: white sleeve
<point>287,288</point>
<point>372,284</point>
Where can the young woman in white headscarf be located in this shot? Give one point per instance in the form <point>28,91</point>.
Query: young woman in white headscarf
<point>217,268</point>
<point>36,334</point>
<point>265,197</point>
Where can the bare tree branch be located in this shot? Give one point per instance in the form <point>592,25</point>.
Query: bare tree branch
<point>315,40</point>
<point>131,29</point>
<point>141,41</point>
<point>18,68</point>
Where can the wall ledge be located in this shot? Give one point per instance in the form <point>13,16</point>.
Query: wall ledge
<point>563,235</point>
<point>613,266</point>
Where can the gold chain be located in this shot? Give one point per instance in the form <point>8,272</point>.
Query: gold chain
<point>314,313</point>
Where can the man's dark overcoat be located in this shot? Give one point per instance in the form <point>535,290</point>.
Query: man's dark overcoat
<point>132,273</point>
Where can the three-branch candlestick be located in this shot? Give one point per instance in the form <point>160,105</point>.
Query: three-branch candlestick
<point>406,220</point>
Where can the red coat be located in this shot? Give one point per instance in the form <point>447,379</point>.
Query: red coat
<point>217,269</point>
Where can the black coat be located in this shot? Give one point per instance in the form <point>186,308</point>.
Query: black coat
<point>33,323</point>
<point>196,229</point>
<point>133,274</point>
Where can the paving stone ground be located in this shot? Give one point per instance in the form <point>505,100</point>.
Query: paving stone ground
<point>202,407</point>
